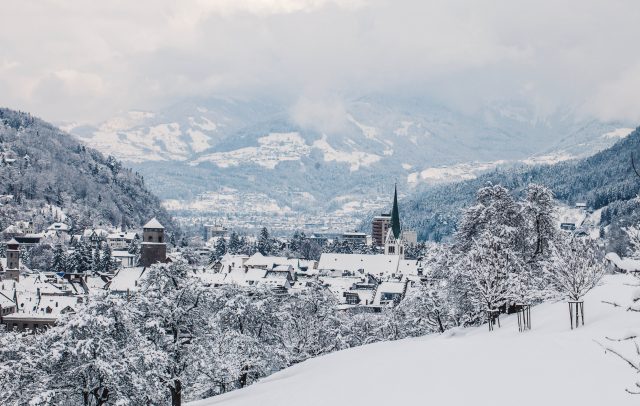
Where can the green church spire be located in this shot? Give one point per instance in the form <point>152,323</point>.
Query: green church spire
<point>395,215</point>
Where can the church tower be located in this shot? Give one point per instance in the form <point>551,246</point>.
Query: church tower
<point>13,260</point>
<point>394,243</point>
<point>153,247</point>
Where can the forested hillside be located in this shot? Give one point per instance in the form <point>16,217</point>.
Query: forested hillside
<point>41,166</point>
<point>604,181</point>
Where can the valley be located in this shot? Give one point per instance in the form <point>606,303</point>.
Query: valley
<point>270,164</point>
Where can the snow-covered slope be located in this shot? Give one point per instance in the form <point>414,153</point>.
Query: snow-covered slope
<point>550,365</point>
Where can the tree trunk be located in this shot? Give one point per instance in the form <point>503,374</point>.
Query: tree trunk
<point>440,324</point>
<point>244,376</point>
<point>102,398</point>
<point>176,393</point>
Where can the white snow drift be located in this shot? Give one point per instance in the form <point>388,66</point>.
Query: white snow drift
<point>550,365</point>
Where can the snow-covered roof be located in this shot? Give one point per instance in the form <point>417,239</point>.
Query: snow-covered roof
<point>213,278</point>
<point>378,264</point>
<point>127,279</point>
<point>97,231</point>
<point>388,287</point>
<point>254,274</point>
<point>58,227</point>
<point>408,267</point>
<point>121,254</point>
<point>275,279</point>
<point>47,307</point>
<point>31,284</point>
<point>283,268</point>
<point>625,264</point>
<point>5,301</point>
<point>122,235</point>
<point>259,260</point>
<point>339,285</point>
<point>391,287</point>
<point>96,282</point>
<point>153,223</point>
<point>12,229</point>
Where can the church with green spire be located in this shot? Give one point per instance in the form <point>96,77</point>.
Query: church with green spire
<point>394,243</point>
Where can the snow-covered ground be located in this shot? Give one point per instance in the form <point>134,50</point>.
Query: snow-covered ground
<point>618,133</point>
<point>550,365</point>
<point>272,149</point>
<point>452,173</point>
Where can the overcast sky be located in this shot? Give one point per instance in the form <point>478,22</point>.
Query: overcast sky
<point>86,60</point>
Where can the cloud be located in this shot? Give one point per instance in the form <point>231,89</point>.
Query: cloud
<point>618,97</point>
<point>327,116</point>
<point>120,55</point>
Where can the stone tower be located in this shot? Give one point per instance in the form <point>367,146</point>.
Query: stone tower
<point>153,247</point>
<point>13,260</point>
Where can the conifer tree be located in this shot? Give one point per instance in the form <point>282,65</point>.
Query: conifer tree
<point>107,263</point>
<point>59,264</point>
<point>80,261</point>
<point>96,260</point>
<point>234,245</point>
<point>220,249</point>
<point>264,242</point>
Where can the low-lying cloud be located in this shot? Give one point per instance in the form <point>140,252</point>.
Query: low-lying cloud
<point>77,60</point>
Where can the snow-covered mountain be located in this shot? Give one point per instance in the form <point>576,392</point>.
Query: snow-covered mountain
<point>200,145</point>
<point>549,365</point>
<point>42,166</point>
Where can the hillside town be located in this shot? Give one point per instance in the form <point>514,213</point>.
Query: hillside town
<point>105,259</point>
<point>116,261</point>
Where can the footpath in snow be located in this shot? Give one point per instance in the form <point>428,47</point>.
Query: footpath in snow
<point>549,365</point>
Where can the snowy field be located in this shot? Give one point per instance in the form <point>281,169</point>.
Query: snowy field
<point>550,365</point>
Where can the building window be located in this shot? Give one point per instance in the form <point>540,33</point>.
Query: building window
<point>352,299</point>
<point>392,250</point>
<point>150,238</point>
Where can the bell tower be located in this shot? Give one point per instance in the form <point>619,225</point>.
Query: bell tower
<point>394,243</point>
<point>13,260</point>
<point>153,247</point>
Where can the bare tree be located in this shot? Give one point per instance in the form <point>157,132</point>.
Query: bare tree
<point>575,270</point>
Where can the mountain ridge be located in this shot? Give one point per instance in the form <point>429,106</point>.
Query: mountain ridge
<point>604,181</point>
<point>362,146</point>
<point>43,165</point>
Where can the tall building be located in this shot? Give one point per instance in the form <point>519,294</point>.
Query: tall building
<point>153,247</point>
<point>394,243</point>
<point>379,227</point>
<point>12,270</point>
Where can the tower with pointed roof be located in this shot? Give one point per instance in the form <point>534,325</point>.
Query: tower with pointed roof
<point>153,247</point>
<point>394,243</point>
